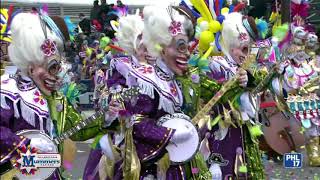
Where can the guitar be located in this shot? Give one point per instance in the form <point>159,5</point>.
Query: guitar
<point>43,173</point>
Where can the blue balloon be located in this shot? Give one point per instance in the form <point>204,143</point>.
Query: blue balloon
<point>220,18</point>
<point>217,41</point>
<point>183,3</point>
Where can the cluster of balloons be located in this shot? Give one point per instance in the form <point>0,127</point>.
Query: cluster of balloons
<point>209,25</point>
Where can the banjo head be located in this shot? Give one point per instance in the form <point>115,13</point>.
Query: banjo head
<point>40,173</point>
<point>184,151</point>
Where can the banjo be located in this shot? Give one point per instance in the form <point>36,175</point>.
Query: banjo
<point>43,173</point>
<point>186,150</point>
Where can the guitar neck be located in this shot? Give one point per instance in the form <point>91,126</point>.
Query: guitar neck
<point>206,109</point>
<point>265,81</point>
<point>77,127</point>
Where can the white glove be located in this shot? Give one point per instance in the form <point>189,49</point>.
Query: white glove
<point>106,146</point>
<point>247,106</point>
<point>181,134</point>
<point>41,145</point>
<point>215,171</point>
<point>282,67</point>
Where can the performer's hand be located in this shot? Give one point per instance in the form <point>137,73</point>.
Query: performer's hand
<point>282,66</point>
<point>181,134</point>
<point>112,113</point>
<point>243,77</point>
<point>41,145</point>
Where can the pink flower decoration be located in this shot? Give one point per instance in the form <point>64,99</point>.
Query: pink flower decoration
<point>146,69</point>
<point>39,98</point>
<point>173,89</point>
<point>48,47</point>
<point>175,28</point>
<point>243,37</point>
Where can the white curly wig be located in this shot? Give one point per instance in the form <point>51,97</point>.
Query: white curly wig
<point>27,38</point>
<point>156,27</point>
<point>130,27</point>
<point>231,28</point>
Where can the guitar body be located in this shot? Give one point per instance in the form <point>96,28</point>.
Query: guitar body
<point>185,151</point>
<point>281,132</point>
<point>41,173</point>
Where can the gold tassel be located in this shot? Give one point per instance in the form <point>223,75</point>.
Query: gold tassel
<point>106,168</point>
<point>69,153</point>
<point>227,117</point>
<point>203,121</point>
<point>10,174</point>
<point>163,165</point>
<point>103,168</point>
<point>132,165</point>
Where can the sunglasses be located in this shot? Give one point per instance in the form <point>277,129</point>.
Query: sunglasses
<point>182,46</point>
<point>54,66</point>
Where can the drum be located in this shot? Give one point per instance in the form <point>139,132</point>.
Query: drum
<point>184,151</point>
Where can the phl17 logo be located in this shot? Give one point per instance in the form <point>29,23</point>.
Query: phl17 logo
<point>28,160</point>
<point>292,160</point>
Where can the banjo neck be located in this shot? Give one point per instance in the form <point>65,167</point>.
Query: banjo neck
<point>206,109</point>
<point>127,93</point>
<point>65,135</point>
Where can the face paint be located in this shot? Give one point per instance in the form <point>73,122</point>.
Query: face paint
<point>176,54</point>
<point>240,54</point>
<point>46,75</point>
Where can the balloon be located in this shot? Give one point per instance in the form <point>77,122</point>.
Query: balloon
<point>220,18</point>
<point>206,37</point>
<point>198,31</point>
<point>204,26</point>
<point>201,6</point>
<point>200,19</point>
<point>214,26</point>
<point>104,42</point>
<point>224,11</point>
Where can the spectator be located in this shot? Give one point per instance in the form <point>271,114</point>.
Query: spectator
<point>104,6</point>
<point>84,24</point>
<point>94,14</point>
<point>120,4</point>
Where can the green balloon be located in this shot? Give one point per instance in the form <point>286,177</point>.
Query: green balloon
<point>104,42</point>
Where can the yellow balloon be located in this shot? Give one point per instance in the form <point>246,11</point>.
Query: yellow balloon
<point>224,11</point>
<point>206,37</point>
<point>201,6</point>
<point>200,19</point>
<point>214,26</point>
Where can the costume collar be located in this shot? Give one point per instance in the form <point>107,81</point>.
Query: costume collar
<point>164,68</point>
<point>24,83</point>
<point>135,60</point>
